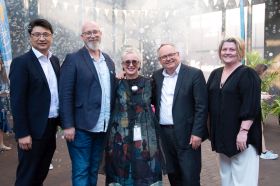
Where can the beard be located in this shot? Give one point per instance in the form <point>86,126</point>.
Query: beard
<point>93,45</point>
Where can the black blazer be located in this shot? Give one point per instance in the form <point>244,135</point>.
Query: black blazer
<point>30,95</point>
<point>80,90</point>
<point>189,103</point>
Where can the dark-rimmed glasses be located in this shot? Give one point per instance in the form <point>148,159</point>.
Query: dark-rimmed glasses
<point>128,62</point>
<point>37,35</point>
<point>165,57</point>
<point>90,33</point>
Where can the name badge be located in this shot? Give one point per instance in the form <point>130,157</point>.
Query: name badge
<point>137,133</point>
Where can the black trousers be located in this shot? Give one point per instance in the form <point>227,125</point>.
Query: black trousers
<point>183,164</point>
<point>33,166</point>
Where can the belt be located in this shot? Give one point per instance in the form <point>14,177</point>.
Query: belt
<point>167,126</point>
<point>52,120</point>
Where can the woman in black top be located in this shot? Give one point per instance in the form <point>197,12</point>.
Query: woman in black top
<point>235,116</point>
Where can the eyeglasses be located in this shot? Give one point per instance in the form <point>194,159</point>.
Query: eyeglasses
<point>89,33</point>
<point>165,57</point>
<point>37,35</point>
<point>128,62</point>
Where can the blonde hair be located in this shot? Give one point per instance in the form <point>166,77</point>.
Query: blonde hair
<point>131,50</point>
<point>239,43</point>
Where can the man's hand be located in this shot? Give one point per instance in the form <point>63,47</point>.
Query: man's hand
<point>195,141</point>
<point>69,134</point>
<point>241,140</point>
<point>121,75</point>
<point>25,143</point>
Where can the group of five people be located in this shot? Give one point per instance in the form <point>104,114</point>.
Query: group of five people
<point>103,115</point>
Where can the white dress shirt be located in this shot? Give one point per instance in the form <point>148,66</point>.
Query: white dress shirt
<point>51,79</point>
<point>167,96</point>
<point>104,79</point>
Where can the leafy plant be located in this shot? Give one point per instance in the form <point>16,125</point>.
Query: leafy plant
<point>275,109</point>
<point>266,109</point>
<point>253,59</point>
<point>267,80</point>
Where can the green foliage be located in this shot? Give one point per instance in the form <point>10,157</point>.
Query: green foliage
<point>253,59</point>
<point>267,80</point>
<point>275,109</point>
<point>266,109</point>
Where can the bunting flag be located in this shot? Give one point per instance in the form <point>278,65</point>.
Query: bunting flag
<point>108,11</point>
<point>225,2</point>
<point>206,2</point>
<point>215,2</point>
<point>237,2</point>
<point>54,2</point>
<point>5,39</point>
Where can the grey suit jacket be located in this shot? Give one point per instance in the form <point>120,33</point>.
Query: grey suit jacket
<point>189,105</point>
<point>80,90</point>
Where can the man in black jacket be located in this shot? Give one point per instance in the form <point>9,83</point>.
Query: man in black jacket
<point>35,106</point>
<point>181,108</point>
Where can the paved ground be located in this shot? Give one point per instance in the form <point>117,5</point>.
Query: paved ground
<point>60,175</point>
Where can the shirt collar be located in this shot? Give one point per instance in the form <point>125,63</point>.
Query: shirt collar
<point>176,72</point>
<point>38,54</point>
<point>101,58</point>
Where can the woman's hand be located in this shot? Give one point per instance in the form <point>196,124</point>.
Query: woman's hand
<point>266,96</point>
<point>241,140</point>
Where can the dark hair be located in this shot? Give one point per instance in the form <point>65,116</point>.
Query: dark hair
<point>260,68</point>
<point>39,22</point>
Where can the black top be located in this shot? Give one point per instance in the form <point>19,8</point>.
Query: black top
<point>238,99</point>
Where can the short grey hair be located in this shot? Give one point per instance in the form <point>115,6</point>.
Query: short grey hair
<point>164,44</point>
<point>131,50</point>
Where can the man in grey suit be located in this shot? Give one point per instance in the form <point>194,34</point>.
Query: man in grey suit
<point>181,108</point>
<point>86,94</point>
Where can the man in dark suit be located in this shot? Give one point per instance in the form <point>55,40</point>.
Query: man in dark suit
<point>181,108</point>
<point>34,101</point>
<point>86,93</point>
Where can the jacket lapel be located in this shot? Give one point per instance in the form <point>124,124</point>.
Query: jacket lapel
<point>55,65</point>
<point>38,67</point>
<point>89,62</point>
<point>160,83</point>
<point>179,81</point>
<point>111,69</point>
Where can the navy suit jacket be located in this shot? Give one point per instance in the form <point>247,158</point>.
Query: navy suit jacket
<point>30,95</point>
<point>189,108</point>
<point>80,90</point>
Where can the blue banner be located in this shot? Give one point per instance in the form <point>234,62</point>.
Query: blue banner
<point>5,39</point>
<point>242,24</point>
